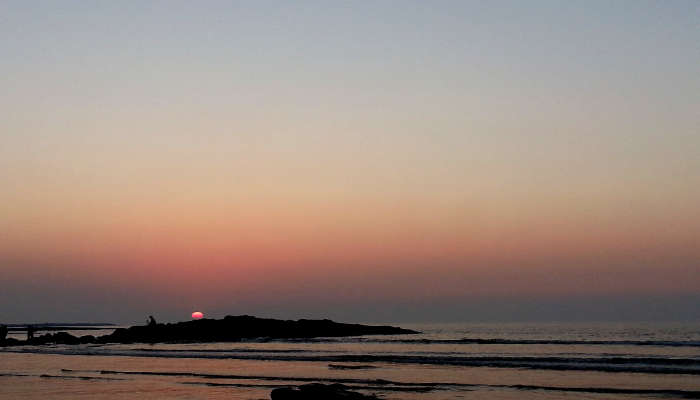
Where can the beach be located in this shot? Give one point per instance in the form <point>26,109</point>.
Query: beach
<point>445,361</point>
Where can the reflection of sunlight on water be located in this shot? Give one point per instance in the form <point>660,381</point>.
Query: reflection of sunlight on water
<point>239,378</point>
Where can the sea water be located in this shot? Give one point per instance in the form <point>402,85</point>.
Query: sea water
<point>445,361</point>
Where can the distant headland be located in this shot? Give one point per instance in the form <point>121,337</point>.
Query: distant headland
<point>227,329</point>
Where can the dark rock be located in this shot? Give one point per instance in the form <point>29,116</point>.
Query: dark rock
<point>11,342</point>
<point>228,329</point>
<point>235,328</point>
<point>318,391</point>
<point>285,394</point>
<point>87,339</point>
<point>54,338</point>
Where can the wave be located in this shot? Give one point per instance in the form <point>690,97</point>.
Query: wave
<point>234,350</point>
<point>84,378</point>
<point>675,393</point>
<point>660,343</point>
<point>352,366</point>
<point>651,365</point>
<point>388,385</point>
<point>656,343</point>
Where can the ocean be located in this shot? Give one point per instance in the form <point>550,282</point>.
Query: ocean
<point>445,361</point>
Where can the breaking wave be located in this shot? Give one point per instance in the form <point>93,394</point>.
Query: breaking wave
<point>651,365</point>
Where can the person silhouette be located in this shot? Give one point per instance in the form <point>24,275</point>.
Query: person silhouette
<point>151,321</point>
<point>3,333</point>
<point>30,332</point>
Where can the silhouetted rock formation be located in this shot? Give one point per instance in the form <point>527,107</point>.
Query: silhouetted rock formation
<point>50,338</point>
<point>228,329</point>
<point>318,391</point>
<point>232,329</point>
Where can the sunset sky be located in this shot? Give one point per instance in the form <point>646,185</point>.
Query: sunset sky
<point>365,161</point>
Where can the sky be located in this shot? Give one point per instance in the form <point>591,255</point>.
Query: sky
<point>364,161</point>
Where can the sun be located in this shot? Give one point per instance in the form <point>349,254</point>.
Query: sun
<point>197,315</point>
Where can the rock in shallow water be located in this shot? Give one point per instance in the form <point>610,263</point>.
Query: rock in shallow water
<point>318,391</point>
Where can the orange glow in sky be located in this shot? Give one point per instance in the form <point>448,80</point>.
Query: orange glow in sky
<point>240,158</point>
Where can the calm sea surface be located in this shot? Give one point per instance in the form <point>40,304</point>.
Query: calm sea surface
<point>446,361</point>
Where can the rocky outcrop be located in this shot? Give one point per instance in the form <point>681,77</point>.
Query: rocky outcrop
<point>50,338</point>
<point>236,328</point>
<point>228,329</point>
